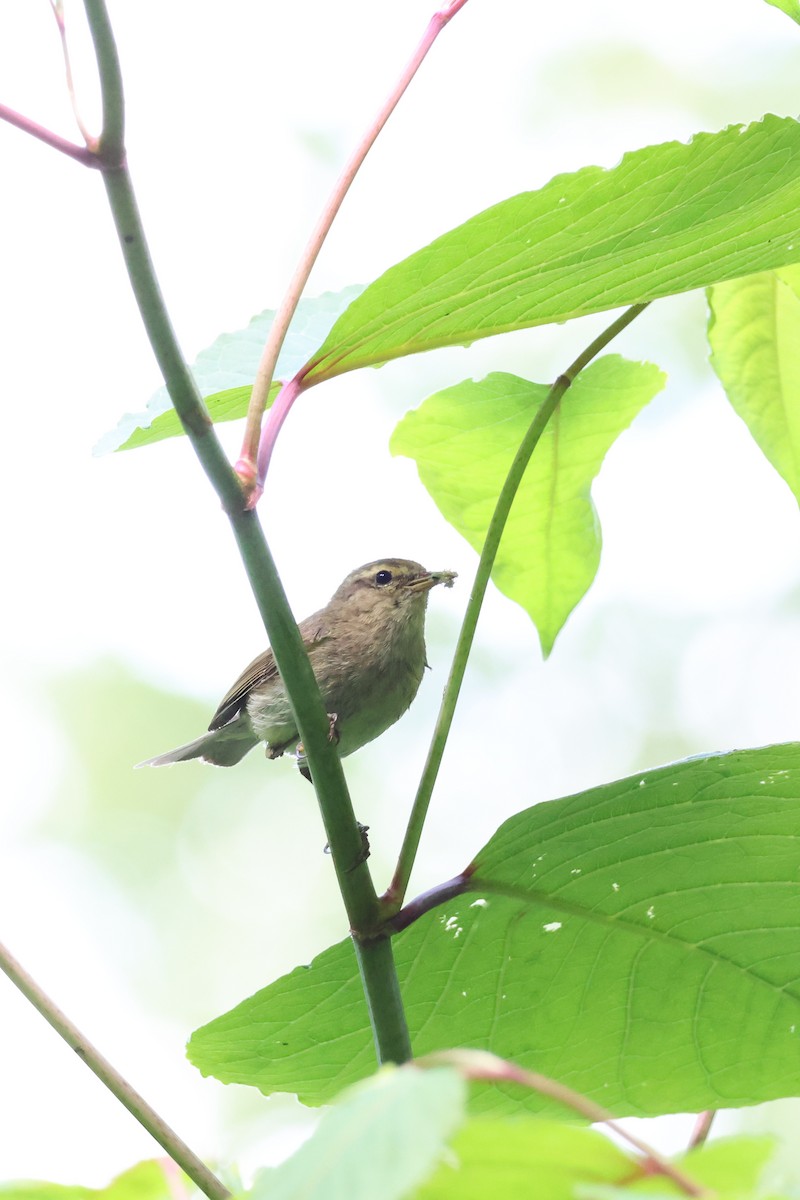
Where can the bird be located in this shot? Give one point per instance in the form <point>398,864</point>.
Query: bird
<point>367,651</point>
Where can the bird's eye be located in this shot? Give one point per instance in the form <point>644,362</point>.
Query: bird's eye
<point>383,577</point>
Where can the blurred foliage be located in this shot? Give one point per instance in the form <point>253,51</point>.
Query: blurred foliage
<point>146,1181</point>
<point>198,859</point>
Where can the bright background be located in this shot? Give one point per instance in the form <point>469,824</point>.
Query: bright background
<point>146,902</point>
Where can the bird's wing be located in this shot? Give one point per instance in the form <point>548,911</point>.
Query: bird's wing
<point>260,671</point>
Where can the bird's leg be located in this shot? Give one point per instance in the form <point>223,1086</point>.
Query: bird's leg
<point>333,736</point>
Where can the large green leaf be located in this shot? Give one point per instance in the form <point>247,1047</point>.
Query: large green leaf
<point>639,941</point>
<point>224,372</point>
<point>382,1138</point>
<point>667,219</point>
<point>754,333</point>
<point>463,441</point>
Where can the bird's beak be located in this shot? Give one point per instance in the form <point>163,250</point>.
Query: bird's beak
<point>425,582</point>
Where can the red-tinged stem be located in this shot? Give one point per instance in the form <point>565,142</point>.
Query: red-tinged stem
<point>58,12</point>
<point>248,466</point>
<point>440,894</point>
<point>702,1128</point>
<point>253,482</point>
<point>481,1065</point>
<point>81,154</point>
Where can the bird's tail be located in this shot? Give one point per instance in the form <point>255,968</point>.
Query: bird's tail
<point>223,747</point>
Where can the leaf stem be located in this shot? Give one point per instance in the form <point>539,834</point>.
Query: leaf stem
<point>250,461</point>
<point>81,154</point>
<point>482,1065</point>
<point>442,893</point>
<point>394,896</point>
<point>155,1125</point>
<point>702,1128</point>
<point>57,7</point>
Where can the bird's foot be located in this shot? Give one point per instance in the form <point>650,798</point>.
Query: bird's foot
<point>364,855</point>
<point>333,736</point>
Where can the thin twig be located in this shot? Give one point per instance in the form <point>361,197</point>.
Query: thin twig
<point>483,1066</point>
<point>155,1125</point>
<point>249,465</point>
<point>395,894</point>
<point>57,8</point>
<point>80,153</point>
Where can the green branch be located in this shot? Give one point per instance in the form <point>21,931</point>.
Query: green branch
<point>111,143</point>
<point>341,827</point>
<point>393,898</point>
<point>166,1137</point>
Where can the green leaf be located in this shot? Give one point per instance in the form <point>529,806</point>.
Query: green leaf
<point>754,331</point>
<point>382,1138</point>
<point>229,405</point>
<point>790,7</point>
<point>224,372</point>
<point>500,1158</point>
<point>639,941</point>
<point>145,1181</point>
<point>463,441</point>
<point>667,219</point>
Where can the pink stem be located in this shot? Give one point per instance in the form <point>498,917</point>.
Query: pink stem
<point>58,12</point>
<point>82,154</point>
<point>702,1128</point>
<point>251,475</point>
<point>253,480</point>
<point>481,1064</point>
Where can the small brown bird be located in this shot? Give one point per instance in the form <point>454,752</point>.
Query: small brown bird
<point>367,650</point>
